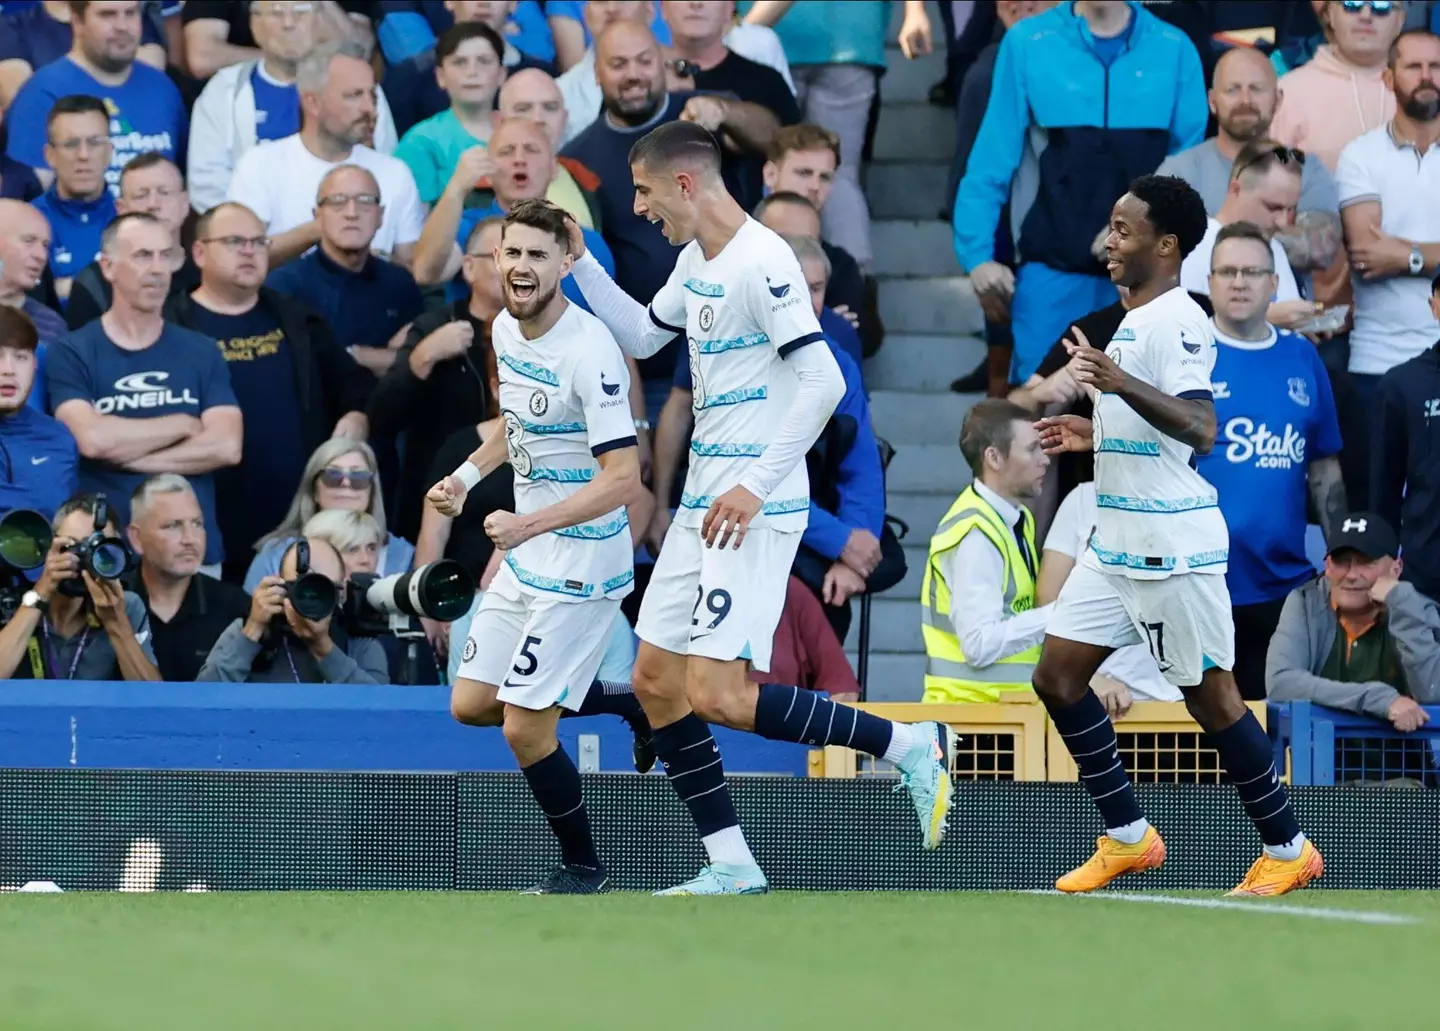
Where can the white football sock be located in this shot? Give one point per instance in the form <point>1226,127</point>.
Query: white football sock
<point>902,739</point>
<point>728,847</point>
<point>1131,833</point>
<point>1288,852</point>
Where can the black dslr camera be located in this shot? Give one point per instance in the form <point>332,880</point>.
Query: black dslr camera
<point>105,558</point>
<point>24,542</point>
<point>376,606</point>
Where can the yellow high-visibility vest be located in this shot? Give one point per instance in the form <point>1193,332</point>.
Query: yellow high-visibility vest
<point>948,676</point>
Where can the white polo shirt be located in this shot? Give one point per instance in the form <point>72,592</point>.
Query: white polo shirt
<point>278,181</point>
<point>1392,316</point>
<point>1195,270</point>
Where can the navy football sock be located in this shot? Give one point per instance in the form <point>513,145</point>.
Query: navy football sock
<point>692,762</point>
<point>784,713</point>
<point>1249,762</point>
<point>1090,736</point>
<point>605,700</point>
<point>555,783</point>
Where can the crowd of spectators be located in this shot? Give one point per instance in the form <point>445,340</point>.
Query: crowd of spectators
<point>247,283</point>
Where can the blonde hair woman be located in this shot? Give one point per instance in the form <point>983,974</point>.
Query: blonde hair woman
<point>341,474</point>
<point>355,535</point>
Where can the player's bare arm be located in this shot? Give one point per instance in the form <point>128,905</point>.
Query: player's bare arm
<point>448,496</point>
<point>1190,420</point>
<point>616,485</point>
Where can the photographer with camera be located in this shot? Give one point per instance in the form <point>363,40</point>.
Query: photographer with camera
<point>291,634</point>
<point>38,459</point>
<point>79,623</point>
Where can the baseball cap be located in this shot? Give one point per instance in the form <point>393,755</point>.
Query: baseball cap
<point>1366,533</point>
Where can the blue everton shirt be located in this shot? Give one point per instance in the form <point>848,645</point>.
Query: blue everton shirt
<point>75,228</point>
<point>277,106</point>
<point>38,462</point>
<point>1275,415</point>
<point>146,114</point>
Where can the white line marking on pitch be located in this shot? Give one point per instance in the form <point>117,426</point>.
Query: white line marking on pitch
<point>1353,916</point>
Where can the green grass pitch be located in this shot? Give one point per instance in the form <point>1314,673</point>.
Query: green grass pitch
<point>994,962</point>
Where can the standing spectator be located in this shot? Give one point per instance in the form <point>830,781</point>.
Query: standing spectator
<point>578,83</point>
<point>339,474</point>
<point>366,300</point>
<point>220,33</point>
<point>150,184</point>
<point>1358,638</point>
<point>279,179</point>
<point>24,249</point>
<point>443,376</point>
<point>1276,446</point>
<point>145,109</point>
<point>141,396</point>
<point>574,24</point>
<point>78,205</point>
<point>791,214</point>
<point>34,36</point>
<point>698,29</point>
<point>1341,93</point>
<point>256,100</point>
<point>837,53</point>
<point>1404,475</point>
<point>37,453</point>
<point>1111,90</point>
<point>295,386</point>
<point>468,69</point>
<point>188,610</point>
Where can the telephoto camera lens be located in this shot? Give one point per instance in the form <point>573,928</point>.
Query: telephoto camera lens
<point>24,539</point>
<point>440,590</point>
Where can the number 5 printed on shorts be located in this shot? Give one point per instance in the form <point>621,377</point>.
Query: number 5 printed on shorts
<point>717,601</point>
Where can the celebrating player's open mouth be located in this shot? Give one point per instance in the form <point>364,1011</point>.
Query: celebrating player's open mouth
<point>522,287</point>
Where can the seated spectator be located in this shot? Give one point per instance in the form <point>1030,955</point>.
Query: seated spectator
<point>806,651</point>
<point>24,250</point>
<point>1404,476</point>
<point>468,69</point>
<point>274,644</point>
<point>255,100</point>
<point>443,378</point>
<point>1054,82</point>
<point>141,396</point>
<point>296,387</point>
<point>188,610</point>
<point>1359,638</point>
<point>340,474</point>
<point>150,184</point>
<point>145,109</point>
<point>790,214</point>
<point>78,204</point>
<point>1276,447</point>
<point>698,29</point>
<point>39,470</point>
<point>367,300</point>
<point>523,167</point>
<point>1130,673</point>
<point>39,33</point>
<point>73,626</point>
<point>533,96</point>
<point>219,33</point>
<point>982,635</point>
<point>280,179</point>
<point>1264,190</point>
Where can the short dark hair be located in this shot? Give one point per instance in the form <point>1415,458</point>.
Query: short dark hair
<point>1173,208</point>
<point>1242,231</point>
<point>203,223</point>
<point>149,159</point>
<point>107,237</point>
<point>77,104</point>
<point>87,502</point>
<point>540,214</point>
<point>674,142</point>
<point>16,329</point>
<point>452,38</point>
<point>480,227</point>
<point>1407,34</point>
<point>990,423</point>
<point>783,197</point>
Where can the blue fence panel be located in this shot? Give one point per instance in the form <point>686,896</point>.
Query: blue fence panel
<point>1330,746</point>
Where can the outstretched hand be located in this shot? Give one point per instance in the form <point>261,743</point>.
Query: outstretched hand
<point>1062,433</point>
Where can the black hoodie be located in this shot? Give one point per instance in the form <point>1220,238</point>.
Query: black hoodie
<point>1405,464</point>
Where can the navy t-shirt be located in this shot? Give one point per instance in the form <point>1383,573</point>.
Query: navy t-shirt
<point>261,360</point>
<point>182,373</point>
<point>1275,415</point>
<point>363,308</point>
<point>146,114</point>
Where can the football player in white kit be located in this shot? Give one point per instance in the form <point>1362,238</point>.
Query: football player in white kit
<point>1154,572</point>
<point>538,637</point>
<point>765,384</point>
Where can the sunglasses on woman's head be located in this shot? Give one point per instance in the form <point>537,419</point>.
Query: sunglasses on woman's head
<point>333,477</point>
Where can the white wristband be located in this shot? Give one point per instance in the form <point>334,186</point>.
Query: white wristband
<point>467,474</point>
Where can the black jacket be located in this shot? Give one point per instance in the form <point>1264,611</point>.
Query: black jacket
<point>1405,464</point>
<point>90,294</point>
<point>455,395</point>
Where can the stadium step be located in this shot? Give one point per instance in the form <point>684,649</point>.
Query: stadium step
<point>894,625</point>
<point>939,304</point>
<point>914,247</point>
<point>894,676</point>
<point>921,511</point>
<point>908,189</point>
<point>906,417</point>
<point>909,82</point>
<point>928,467</point>
<point>915,132</point>
<point>922,362</point>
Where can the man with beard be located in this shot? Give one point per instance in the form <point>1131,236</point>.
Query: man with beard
<point>1244,97</point>
<point>146,112</point>
<point>24,249</point>
<point>540,633</point>
<point>1389,180</point>
<point>278,179</point>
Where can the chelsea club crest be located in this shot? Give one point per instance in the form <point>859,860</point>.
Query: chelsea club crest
<point>539,403</point>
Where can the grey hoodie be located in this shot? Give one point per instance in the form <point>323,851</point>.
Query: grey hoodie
<point>1306,633</point>
<point>233,658</point>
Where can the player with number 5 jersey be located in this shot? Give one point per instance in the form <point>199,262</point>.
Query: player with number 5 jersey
<point>765,384</point>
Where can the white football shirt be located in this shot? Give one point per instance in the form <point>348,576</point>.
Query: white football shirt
<point>741,314</point>
<point>565,399</point>
<point>1156,516</point>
